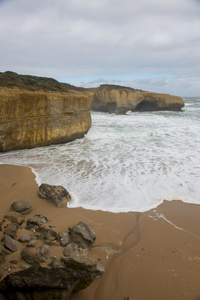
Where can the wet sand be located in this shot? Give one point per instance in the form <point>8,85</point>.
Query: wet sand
<point>152,255</point>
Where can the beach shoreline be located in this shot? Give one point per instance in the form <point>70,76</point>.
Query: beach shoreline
<point>150,255</point>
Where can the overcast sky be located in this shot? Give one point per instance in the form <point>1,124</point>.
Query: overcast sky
<point>147,44</point>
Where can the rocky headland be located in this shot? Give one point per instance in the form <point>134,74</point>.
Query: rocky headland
<point>119,100</point>
<point>36,111</point>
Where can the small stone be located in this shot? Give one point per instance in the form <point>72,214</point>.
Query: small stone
<point>57,264</point>
<point>23,226</point>
<point>11,229</point>
<point>14,261</point>
<point>36,221</point>
<point>32,243</point>
<point>45,251</point>
<point>1,273</point>
<point>15,217</point>
<point>4,251</point>
<point>10,243</point>
<point>30,257</point>
<point>21,207</point>
<point>71,250</point>
<point>2,260</point>
<point>46,233</point>
<point>24,266</point>
<point>64,238</point>
<point>24,238</point>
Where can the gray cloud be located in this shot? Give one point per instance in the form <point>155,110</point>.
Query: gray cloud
<point>76,39</point>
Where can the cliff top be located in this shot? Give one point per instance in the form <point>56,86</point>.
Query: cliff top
<point>114,86</point>
<point>34,83</point>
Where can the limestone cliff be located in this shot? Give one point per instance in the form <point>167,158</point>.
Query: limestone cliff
<point>119,100</point>
<point>37,117</point>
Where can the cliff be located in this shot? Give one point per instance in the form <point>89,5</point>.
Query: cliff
<point>119,100</point>
<point>41,113</point>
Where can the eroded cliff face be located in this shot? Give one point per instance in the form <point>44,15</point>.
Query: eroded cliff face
<point>36,118</point>
<point>119,100</point>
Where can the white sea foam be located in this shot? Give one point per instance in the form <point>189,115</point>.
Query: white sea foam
<point>125,163</point>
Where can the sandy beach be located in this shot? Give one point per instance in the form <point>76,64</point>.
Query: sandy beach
<point>152,255</point>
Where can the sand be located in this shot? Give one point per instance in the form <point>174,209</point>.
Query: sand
<point>152,255</point>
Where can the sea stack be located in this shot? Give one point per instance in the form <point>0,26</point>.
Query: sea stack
<point>37,111</point>
<point>119,100</point>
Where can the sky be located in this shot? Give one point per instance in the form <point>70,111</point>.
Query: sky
<point>152,45</point>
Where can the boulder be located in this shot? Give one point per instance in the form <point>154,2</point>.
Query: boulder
<point>46,233</point>
<point>58,195</point>
<point>45,251</point>
<point>10,243</point>
<point>88,264</point>
<point>82,234</point>
<point>36,221</point>
<point>30,258</point>
<point>44,283</point>
<point>15,217</point>
<point>64,238</point>
<point>21,207</point>
<point>11,230</point>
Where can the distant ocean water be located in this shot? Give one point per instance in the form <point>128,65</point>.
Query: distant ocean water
<point>125,163</point>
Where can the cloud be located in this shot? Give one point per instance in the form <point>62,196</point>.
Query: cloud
<point>99,38</point>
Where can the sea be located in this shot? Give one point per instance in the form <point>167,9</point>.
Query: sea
<point>126,162</point>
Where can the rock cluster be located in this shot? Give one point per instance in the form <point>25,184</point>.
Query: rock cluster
<point>36,271</point>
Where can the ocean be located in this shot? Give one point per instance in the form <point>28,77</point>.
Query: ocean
<point>126,162</point>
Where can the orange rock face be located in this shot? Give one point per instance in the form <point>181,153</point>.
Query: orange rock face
<point>36,118</point>
<point>119,100</point>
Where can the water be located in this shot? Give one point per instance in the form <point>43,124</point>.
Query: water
<point>125,163</point>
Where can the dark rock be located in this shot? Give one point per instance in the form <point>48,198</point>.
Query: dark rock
<point>43,283</point>
<point>58,195</point>
<point>24,238</point>
<point>46,233</point>
<point>10,243</point>
<point>82,234</point>
<point>15,217</point>
<point>32,243</point>
<point>83,263</point>
<point>36,221</point>
<point>21,207</point>
<point>30,257</point>
<point>71,250</point>
<point>64,238</point>
<point>11,230</point>
<point>45,251</point>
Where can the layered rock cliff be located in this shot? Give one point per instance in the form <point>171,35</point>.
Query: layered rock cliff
<point>119,100</point>
<point>38,114</point>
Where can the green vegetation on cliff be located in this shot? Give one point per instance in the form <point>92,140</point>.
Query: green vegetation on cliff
<point>33,83</point>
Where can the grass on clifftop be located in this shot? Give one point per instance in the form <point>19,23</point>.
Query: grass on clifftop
<point>33,83</point>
